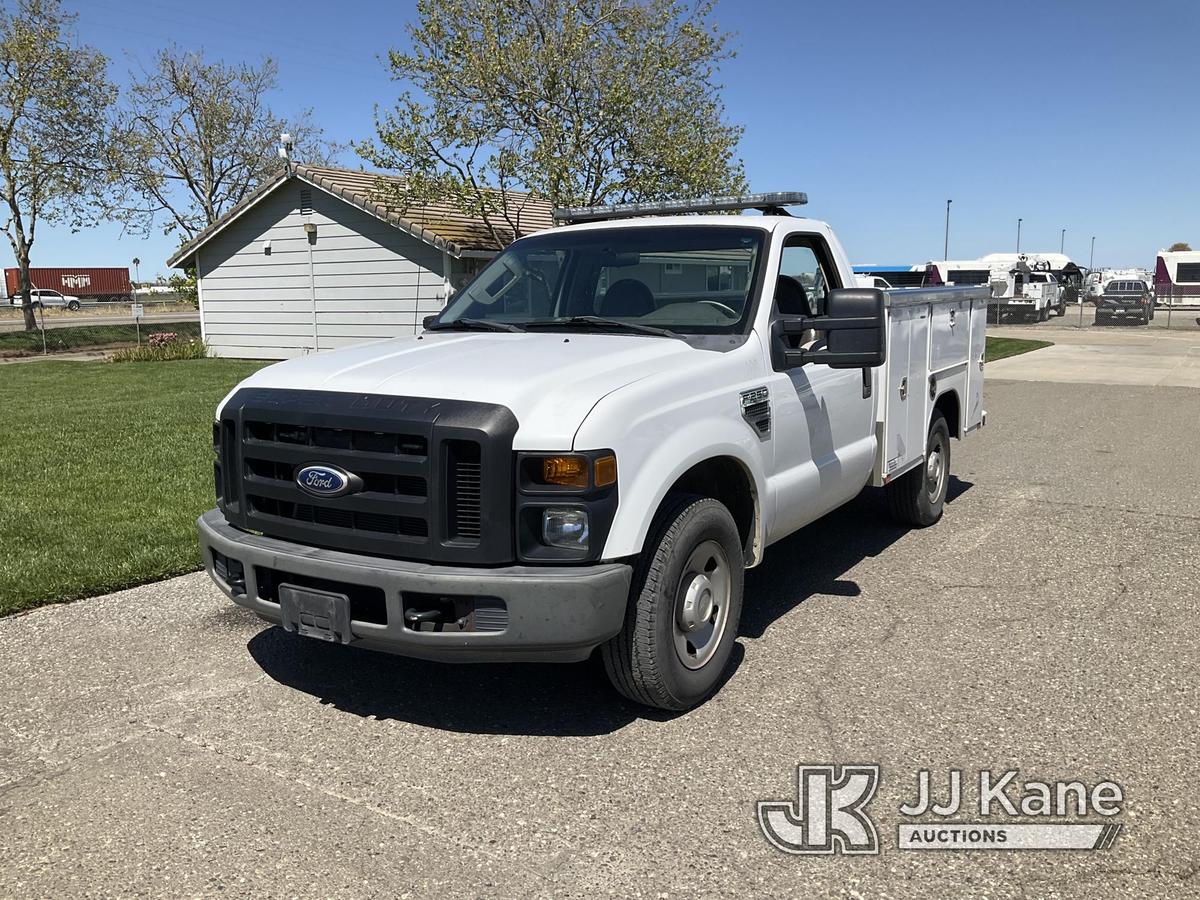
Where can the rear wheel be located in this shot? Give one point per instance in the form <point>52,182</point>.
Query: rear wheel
<point>918,496</point>
<point>684,608</point>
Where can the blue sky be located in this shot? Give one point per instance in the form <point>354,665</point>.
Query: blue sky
<point>1073,114</point>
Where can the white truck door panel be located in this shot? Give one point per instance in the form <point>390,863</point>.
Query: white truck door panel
<point>824,442</point>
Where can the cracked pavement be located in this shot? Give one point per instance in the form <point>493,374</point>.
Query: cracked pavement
<point>160,741</point>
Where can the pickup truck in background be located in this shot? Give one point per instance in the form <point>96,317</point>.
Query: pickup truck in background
<point>46,299</point>
<point>590,444</point>
<point>1125,300</point>
<point>1022,291</point>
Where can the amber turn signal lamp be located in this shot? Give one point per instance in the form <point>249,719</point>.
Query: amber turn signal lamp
<point>606,471</point>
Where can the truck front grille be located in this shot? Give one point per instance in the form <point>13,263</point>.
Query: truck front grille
<point>431,472</point>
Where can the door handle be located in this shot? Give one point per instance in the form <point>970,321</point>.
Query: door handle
<point>904,388</point>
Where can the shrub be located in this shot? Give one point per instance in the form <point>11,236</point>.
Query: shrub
<point>168,346</point>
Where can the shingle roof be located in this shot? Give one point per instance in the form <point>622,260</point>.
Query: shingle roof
<point>440,224</point>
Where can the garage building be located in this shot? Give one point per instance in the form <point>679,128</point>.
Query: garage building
<point>310,261</point>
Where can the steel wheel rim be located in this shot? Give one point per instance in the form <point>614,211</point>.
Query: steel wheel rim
<point>935,468</point>
<point>701,604</point>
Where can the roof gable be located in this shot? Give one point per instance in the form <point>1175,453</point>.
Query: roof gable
<point>441,225</point>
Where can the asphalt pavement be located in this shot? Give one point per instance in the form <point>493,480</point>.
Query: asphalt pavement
<point>161,741</point>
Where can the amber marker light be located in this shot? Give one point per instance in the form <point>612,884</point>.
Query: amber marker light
<point>606,471</point>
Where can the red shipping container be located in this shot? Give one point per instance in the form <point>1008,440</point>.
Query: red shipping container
<point>83,282</point>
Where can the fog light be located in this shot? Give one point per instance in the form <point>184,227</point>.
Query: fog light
<point>566,528</point>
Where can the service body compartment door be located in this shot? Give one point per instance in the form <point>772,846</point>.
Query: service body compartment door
<point>951,333</point>
<point>978,340</point>
<point>894,409</point>
<point>949,351</point>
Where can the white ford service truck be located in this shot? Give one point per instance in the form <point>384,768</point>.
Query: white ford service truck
<point>589,445</point>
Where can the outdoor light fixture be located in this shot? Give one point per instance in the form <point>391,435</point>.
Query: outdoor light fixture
<point>310,227</point>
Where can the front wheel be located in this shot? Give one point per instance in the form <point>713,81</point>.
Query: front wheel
<point>918,496</point>
<point>684,607</point>
<point>73,306</point>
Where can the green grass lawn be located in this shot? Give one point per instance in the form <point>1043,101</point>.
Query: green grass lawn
<point>20,343</point>
<point>108,467</point>
<point>999,348</point>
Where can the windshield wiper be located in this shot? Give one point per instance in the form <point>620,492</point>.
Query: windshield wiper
<point>472,325</point>
<point>601,322</point>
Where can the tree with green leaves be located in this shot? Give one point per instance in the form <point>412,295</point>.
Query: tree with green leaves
<point>581,102</point>
<point>197,137</point>
<point>54,99</point>
<point>1177,246</point>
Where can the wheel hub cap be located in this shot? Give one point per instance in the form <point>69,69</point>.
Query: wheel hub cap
<point>697,606</point>
<point>701,604</point>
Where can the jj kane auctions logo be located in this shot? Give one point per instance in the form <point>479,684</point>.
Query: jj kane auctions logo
<point>829,814</point>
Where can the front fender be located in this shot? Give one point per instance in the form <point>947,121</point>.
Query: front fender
<point>657,461</point>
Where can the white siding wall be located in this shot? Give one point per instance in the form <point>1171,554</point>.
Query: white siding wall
<point>372,280</point>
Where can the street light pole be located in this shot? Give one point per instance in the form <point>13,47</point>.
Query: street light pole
<point>1092,255</point>
<point>1018,235</point>
<point>1062,240</point>
<point>946,246</point>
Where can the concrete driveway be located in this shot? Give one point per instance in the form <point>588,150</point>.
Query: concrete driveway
<point>161,742</point>
<point>1115,354</point>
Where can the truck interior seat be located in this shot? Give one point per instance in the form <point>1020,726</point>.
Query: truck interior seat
<point>791,299</point>
<point>627,298</point>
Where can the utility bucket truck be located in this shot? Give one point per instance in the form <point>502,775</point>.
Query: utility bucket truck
<point>589,445</point>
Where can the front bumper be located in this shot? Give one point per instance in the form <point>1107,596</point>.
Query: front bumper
<point>553,613</point>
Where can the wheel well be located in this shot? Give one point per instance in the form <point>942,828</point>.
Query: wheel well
<point>948,406</point>
<point>725,479</point>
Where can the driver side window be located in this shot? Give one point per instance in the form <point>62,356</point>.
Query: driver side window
<point>801,262</point>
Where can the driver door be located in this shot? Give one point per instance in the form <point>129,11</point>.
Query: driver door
<point>824,442</point>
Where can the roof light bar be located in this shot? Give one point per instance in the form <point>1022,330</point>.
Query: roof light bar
<point>770,203</point>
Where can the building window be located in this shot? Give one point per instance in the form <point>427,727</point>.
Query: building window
<point>673,268</point>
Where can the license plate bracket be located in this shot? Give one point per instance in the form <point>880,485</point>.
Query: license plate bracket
<point>313,613</point>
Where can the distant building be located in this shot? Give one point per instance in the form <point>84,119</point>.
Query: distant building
<point>310,261</point>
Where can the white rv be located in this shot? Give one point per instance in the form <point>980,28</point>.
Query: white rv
<point>1177,278</point>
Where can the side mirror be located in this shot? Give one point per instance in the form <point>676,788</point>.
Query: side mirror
<point>854,327</point>
<point>427,321</point>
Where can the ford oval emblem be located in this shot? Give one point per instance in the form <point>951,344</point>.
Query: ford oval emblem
<point>327,481</point>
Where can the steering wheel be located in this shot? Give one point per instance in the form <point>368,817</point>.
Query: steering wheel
<point>728,310</point>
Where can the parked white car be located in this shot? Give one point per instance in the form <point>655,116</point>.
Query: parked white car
<point>590,444</point>
<point>48,299</point>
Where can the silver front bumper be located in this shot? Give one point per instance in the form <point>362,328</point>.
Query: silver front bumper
<point>554,613</point>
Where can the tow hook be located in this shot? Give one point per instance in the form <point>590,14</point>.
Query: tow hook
<point>416,617</point>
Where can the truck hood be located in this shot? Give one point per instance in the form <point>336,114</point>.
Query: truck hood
<point>550,381</point>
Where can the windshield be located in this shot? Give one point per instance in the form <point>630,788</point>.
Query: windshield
<point>691,279</point>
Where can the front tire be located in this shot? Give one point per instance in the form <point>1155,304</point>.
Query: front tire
<point>73,306</point>
<point>918,496</point>
<point>684,607</point>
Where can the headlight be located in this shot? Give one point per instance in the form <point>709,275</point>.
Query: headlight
<point>566,528</point>
<point>570,470</point>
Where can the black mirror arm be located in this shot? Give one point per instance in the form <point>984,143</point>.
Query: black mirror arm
<point>802,324</point>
